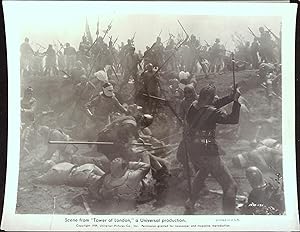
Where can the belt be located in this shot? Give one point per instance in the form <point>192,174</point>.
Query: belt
<point>204,134</point>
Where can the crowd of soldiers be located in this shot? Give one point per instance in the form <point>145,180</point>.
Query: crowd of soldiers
<point>119,95</point>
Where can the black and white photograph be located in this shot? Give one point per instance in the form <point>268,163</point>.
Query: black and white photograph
<point>128,112</point>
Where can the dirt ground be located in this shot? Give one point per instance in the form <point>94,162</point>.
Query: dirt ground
<point>45,199</point>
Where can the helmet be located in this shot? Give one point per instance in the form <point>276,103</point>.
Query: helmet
<point>149,66</point>
<point>255,177</point>
<point>261,29</point>
<point>108,90</point>
<point>217,40</point>
<point>147,120</point>
<point>209,90</point>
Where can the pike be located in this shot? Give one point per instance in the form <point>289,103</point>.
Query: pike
<point>132,39</point>
<point>154,97</point>
<point>233,71</point>
<point>176,115</point>
<point>70,77</point>
<point>105,33</point>
<point>160,33</point>
<point>275,36</point>
<point>115,41</point>
<point>252,32</point>
<point>273,93</point>
<point>159,148</point>
<point>61,46</point>
<point>95,142</point>
<point>207,43</point>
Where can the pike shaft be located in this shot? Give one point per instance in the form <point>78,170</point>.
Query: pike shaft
<point>97,143</point>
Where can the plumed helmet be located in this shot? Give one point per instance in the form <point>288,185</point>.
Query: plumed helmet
<point>255,177</point>
<point>147,120</point>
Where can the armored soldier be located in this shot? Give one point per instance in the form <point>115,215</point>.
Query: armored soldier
<point>124,183</point>
<point>102,105</point>
<point>265,198</point>
<point>122,132</point>
<point>202,118</point>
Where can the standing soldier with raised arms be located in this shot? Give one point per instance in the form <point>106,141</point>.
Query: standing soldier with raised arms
<point>202,119</point>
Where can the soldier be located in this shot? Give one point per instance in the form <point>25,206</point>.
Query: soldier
<point>27,54</point>
<point>83,53</point>
<point>50,64</point>
<point>122,132</point>
<point>189,97</point>
<point>102,105</point>
<point>28,106</point>
<point>70,55</point>
<point>202,118</point>
<point>69,174</point>
<point>254,51</point>
<point>264,156</point>
<point>158,52</point>
<point>77,72</point>
<point>151,87</point>
<point>55,152</point>
<point>266,46</point>
<point>148,56</point>
<point>194,45</point>
<point>169,51</point>
<point>131,66</point>
<point>216,56</point>
<point>123,184</point>
<point>264,198</point>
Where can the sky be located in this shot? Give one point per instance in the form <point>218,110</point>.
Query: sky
<point>66,23</point>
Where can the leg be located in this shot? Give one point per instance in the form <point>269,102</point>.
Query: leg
<point>201,166</point>
<point>225,179</point>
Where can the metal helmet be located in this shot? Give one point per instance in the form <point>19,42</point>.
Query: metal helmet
<point>147,120</point>
<point>255,177</point>
<point>149,66</point>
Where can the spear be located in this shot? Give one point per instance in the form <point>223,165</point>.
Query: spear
<point>96,142</point>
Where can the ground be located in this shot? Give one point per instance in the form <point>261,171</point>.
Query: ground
<point>44,199</point>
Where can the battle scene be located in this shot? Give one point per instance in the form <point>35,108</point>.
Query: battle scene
<point>182,125</point>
